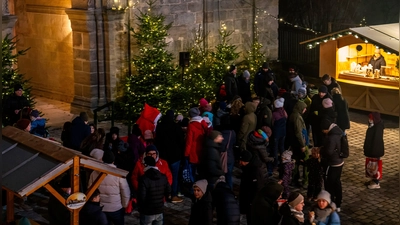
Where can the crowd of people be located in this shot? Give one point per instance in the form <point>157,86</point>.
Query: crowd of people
<point>283,129</point>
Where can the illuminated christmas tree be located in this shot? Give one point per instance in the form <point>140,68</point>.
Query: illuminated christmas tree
<point>153,70</point>
<point>10,73</point>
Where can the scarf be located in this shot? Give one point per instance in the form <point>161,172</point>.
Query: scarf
<point>322,214</point>
<point>299,215</point>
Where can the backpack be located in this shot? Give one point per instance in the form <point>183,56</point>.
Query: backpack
<point>344,147</point>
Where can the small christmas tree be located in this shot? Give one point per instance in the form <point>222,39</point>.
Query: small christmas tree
<point>154,72</point>
<point>10,73</point>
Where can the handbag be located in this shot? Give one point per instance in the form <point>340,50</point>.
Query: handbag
<point>373,168</point>
<point>187,175</point>
<point>224,155</point>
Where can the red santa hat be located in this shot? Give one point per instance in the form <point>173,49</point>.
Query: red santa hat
<point>148,118</point>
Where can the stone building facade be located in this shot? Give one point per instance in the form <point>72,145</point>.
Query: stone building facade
<point>79,48</point>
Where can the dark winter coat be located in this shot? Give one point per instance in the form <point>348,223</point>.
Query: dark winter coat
<point>373,143</point>
<point>136,147</point>
<point>315,171</point>
<point>378,63</point>
<point>13,103</point>
<point>258,147</point>
<point>342,111</point>
<point>228,143</point>
<point>287,216</point>
<point>264,114</point>
<point>58,213</point>
<point>79,131</point>
<point>333,84</point>
<point>210,167</point>
<point>226,205</point>
<point>264,209</point>
<point>260,81</point>
<point>279,119</point>
<point>201,212</point>
<point>91,213</point>
<point>248,124</point>
<point>244,90</point>
<point>170,140</point>
<point>153,187</point>
<point>252,180</point>
<point>329,151</point>
<point>328,114</point>
<point>231,87</point>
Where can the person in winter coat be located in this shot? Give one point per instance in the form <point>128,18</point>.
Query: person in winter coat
<point>114,192</point>
<point>58,213</point>
<point>195,137</point>
<point>14,104</point>
<point>315,174</point>
<point>139,169</point>
<point>303,97</point>
<point>170,142</point>
<point>251,181</point>
<point>328,110</point>
<point>201,212</point>
<point>244,87</point>
<point>330,83</point>
<point>297,139</point>
<point>231,87</point>
<point>135,145</point>
<point>324,212</point>
<point>279,119</point>
<point>377,61</point>
<point>227,144</point>
<point>221,115</point>
<point>264,209</point>
<point>210,166</point>
<point>331,161</point>
<point>297,83</point>
<point>225,203</point>
<point>315,118</point>
<point>91,212</point>
<point>285,174</point>
<point>38,124</point>
<point>153,188</point>
<point>264,113</point>
<point>257,145</point>
<point>79,130</point>
<point>248,124</point>
<point>341,109</point>
<point>292,210</point>
<point>373,144</point>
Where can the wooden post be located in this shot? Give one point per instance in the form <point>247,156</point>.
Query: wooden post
<point>10,206</point>
<point>75,177</point>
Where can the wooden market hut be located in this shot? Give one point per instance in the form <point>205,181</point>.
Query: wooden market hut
<point>345,55</point>
<point>30,162</point>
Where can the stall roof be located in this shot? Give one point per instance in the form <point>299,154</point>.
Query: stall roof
<point>30,162</point>
<point>385,35</point>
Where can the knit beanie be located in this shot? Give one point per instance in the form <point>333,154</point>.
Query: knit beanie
<point>278,103</point>
<point>148,135</point>
<point>193,112</point>
<point>325,124</point>
<point>18,87</point>
<point>323,89</point>
<point>179,117</point>
<point>327,103</point>
<point>170,114</point>
<point>149,161</point>
<point>286,156</point>
<point>246,74</point>
<point>295,199</point>
<point>202,184</point>
<point>35,113</point>
<point>97,153</point>
<point>245,156</point>
<point>302,91</point>
<point>114,130</point>
<point>267,130</point>
<point>232,68</point>
<point>214,134</point>
<point>203,102</point>
<point>325,196</point>
<point>108,157</point>
<point>22,124</point>
<point>265,65</point>
<point>151,148</point>
<point>281,92</point>
<point>84,116</point>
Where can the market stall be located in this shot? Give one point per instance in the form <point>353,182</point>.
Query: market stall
<point>365,61</point>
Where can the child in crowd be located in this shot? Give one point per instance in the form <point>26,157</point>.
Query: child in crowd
<point>285,174</point>
<point>324,212</point>
<point>315,173</point>
<point>38,124</point>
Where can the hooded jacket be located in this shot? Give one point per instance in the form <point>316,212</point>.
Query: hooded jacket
<point>342,111</point>
<point>196,133</point>
<point>153,187</point>
<point>249,123</point>
<point>296,125</point>
<point>201,212</point>
<point>329,151</point>
<point>265,208</point>
<point>210,166</point>
<point>264,114</point>
<point>226,205</point>
<point>373,143</point>
<point>79,131</point>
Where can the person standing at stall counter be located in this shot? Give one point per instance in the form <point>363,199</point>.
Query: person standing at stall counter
<point>377,61</point>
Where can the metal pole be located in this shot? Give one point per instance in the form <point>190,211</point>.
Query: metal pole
<point>399,110</point>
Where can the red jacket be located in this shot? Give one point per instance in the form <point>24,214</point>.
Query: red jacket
<point>138,171</point>
<point>196,133</point>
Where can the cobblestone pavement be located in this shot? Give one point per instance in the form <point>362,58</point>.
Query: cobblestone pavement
<point>360,205</point>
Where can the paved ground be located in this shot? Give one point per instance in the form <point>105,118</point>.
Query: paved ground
<point>360,205</point>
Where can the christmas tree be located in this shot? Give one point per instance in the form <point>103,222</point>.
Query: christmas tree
<point>10,73</point>
<point>153,70</point>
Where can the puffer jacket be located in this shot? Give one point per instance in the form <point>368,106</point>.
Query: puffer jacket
<point>153,187</point>
<point>249,123</point>
<point>329,151</point>
<point>226,205</point>
<point>210,167</point>
<point>195,136</point>
<point>114,191</point>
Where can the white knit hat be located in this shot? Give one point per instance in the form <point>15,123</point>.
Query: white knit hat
<point>325,196</point>
<point>202,184</point>
<point>278,103</point>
